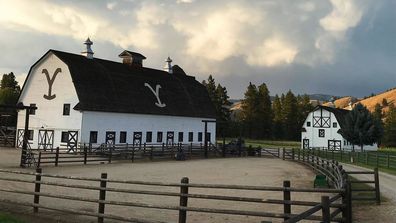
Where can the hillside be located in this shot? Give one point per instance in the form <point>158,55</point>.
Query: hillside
<point>370,102</point>
<point>342,102</point>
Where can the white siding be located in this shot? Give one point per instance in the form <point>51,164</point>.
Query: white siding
<point>49,114</point>
<point>106,121</point>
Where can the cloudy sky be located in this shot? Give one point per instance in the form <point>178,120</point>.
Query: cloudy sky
<point>339,47</point>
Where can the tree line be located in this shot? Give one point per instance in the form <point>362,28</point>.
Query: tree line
<point>259,116</point>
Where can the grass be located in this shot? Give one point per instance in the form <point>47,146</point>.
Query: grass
<point>364,193</point>
<point>7,218</point>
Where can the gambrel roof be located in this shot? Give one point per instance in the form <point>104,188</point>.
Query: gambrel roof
<point>338,113</point>
<point>109,86</point>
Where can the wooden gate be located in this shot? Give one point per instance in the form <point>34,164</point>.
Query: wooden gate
<point>110,138</point>
<point>334,145</point>
<point>72,141</point>
<point>20,135</point>
<point>137,139</point>
<point>170,136</point>
<point>305,143</point>
<point>46,139</point>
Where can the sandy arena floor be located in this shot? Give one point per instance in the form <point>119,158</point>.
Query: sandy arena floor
<point>240,171</point>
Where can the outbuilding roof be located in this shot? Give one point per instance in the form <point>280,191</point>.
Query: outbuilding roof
<point>109,86</point>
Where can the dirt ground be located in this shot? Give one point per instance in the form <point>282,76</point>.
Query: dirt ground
<point>238,171</point>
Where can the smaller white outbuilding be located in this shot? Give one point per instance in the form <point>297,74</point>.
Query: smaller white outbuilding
<point>321,129</point>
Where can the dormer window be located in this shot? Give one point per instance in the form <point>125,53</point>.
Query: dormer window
<point>66,109</point>
<point>308,124</point>
<point>334,124</point>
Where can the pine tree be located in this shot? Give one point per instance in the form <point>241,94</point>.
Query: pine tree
<point>223,111</point>
<point>249,109</point>
<point>277,130</point>
<point>264,112</point>
<point>9,89</point>
<point>361,128</point>
<point>290,117</point>
<point>378,116</point>
<point>304,108</point>
<point>389,138</point>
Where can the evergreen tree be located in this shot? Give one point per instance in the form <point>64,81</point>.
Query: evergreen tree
<point>304,108</point>
<point>277,130</point>
<point>211,88</point>
<point>378,116</point>
<point>389,138</point>
<point>9,89</point>
<point>264,112</point>
<point>222,109</point>
<point>290,117</point>
<point>361,128</point>
<point>249,109</point>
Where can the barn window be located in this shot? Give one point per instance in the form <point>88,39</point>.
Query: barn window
<point>199,136</point>
<point>334,124</point>
<point>123,136</point>
<point>321,133</point>
<point>190,136</point>
<point>66,109</point>
<point>32,111</point>
<point>159,136</point>
<point>93,137</point>
<point>308,124</point>
<point>149,136</point>
<point>65,137</point>
<point>30,134</point>
<point>180,136</point>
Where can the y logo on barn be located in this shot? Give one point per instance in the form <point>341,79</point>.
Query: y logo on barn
<point>156,93</point>
<point>50,81</point>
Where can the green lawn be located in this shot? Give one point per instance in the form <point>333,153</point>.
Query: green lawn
<point>6,218</point>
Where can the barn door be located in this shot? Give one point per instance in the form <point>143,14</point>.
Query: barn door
<point>170,138</point>
<point>137,139</point>
<point>110,138</point>
<point>72,141</point>
<point>305,143</point>
<point>20,135</point>
<point>46,139</point>
<point>334,144</point>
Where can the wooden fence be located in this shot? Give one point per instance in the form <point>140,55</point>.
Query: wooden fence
<point>330,208</point>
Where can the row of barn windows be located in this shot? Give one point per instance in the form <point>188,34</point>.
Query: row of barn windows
<point>66,109</point>
<point>334,124</point>
<point>93,136</point>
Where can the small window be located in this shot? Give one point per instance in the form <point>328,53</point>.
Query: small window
<point>123,136</point>
<point>30,134</point>
<point>321,133</point>
<point>180,136</point>
<point>199,136</point>
<point>149,136</point>
<point>308,124</point>
<point>32,111</point>
<point>334,124</point>
<point>159,136</point>
<point>66,109</point>
<point>65,137</point>
<point>93,137</point>
<point>190,136</point>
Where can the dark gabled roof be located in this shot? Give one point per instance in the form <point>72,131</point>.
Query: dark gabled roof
<point>109,86</point>
<point>131,53</point>
<point>338,113</point>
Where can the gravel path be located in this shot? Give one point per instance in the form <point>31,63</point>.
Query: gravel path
<point>369,213</point>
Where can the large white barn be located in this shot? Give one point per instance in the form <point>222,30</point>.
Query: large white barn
<point>82,99</point>
<point>321,130</point>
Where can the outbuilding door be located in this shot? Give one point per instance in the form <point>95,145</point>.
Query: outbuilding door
<point>20,135</point>
<point>170,136</point>
<point>305,143</point>
<point>334,145</point>
<point>137,138</point>
<point>110,138</point>
<point>46,139</point>
<point>72,141</point>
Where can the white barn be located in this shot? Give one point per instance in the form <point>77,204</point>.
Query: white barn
<point>321,130</point>
<point>82,99</point>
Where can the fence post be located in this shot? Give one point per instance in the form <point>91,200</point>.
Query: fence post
<point>39,160</point>
<point>133,153</point>
<point>376,159</point>
<point>286,198</point>
<point>259,151</point>
<point>367,158</point>
<point>377,186</point>
<point>110,154</point>
<point>325,209</point>
<point>349,200</point>
<point>387,160</point>
<point>151,153</point>
<point>183,200</point>
<point>293,154</point>
<point>85,155</point>
<point>37,189</point>
<point>102,196</point>
<point>56,156</point>
<point>283,153</point>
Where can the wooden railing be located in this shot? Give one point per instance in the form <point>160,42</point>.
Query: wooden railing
<point>49,186</point>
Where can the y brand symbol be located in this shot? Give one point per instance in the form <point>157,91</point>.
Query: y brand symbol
<point>156,93</point>
<point>50,81</point>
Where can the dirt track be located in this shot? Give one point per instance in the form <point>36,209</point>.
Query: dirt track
<point>242,171</point>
